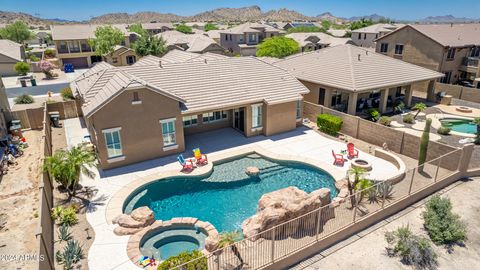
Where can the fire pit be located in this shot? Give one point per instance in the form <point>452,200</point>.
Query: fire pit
<point>464,109</point>
<point>361,163</point>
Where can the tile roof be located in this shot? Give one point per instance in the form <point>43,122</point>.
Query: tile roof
<point>152,26</point>
<point>81,31</point>
<point>195,42</point>
<point>235,81</point>
<point>11,49</point>
<point>250,28</point>
<point>178,56</point>
<point>379,27</point>
<point>317,38</point>
<point>454,35</point>
<point>352,68</point>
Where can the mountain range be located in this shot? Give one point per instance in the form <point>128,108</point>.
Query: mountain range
<point>252,13</point>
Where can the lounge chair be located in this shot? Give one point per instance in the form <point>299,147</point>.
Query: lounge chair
<point>352,152</point>
<point>186,166</point>
<point>338,159</point>
<point>200,158</point>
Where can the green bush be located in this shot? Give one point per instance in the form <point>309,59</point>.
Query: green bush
<point>49,53</point>
<point>372,114</point>
<point>24,99</point>
<point>22,68</point>
<point>385,120</point>
<point>65,216</point>
<point>184,29</point>
<point>199,264</point>
<point>33,58</point>
<point>329,124</point>
<point>408,118</point>
<point>67,93</point>
<point>444,130</point>
<point>441,224</point>
<point>412,249</point>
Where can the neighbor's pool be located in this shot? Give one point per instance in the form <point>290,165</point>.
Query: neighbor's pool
<point>227,196</point>
<point>460,125</point>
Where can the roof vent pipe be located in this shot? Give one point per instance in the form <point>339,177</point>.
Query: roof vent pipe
<point>366,52</point>
<point>205,60</point>
<point>359,57</point>
<point>160,64</point>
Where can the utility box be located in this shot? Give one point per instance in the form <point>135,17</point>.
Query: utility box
<point>54,118</point>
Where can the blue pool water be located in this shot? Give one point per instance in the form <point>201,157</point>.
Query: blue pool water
<point>460,125</point>
<point>227,196</point>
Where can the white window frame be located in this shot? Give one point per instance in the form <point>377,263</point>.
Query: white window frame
<point>190,118</point>
<point>257,116</point>
<point>173,144</point>
<point>451,54</point>
<point>383,46</point>
<point>117,156</point>
<point>211,117</point>
<point>403,49</point>
<point>298,110</point>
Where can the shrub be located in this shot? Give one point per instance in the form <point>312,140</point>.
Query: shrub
<point>412,249</point>
<point>24,99</point>
<point>46,67</point>
<point>408,118</point>
<point>385,120</point>
<point>329,124</point>
<point>67,93</point>
<point>22,68</point>
<point>33,58</point>
<point>444,130</point>
<point>49,53</point>
<point>65,216</point>
<point>184,29</point>
<point>72,253</point>
<point>64,234</point>
<point>441,224</point>
<point>372,114</point>
<point>199,264</point>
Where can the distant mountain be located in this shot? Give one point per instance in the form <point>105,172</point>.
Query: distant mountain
<point>251,13</point>
<point>10,17</point>
<point>447,19</point>
<point>139,17</point>
<point>327,16</point>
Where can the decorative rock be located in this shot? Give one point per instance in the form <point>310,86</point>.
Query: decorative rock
<point>211,242</point>
<point>126,231</point>
<point>143,214</point>
<point>127,221</point>
<point>252,171</point>
<point>129,224</point>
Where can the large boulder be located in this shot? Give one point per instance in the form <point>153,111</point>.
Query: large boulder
<point>143,214</point>
<point>282,205</point>
<point>211,242</point>
<point>129,224</point>
<point>126,231</point>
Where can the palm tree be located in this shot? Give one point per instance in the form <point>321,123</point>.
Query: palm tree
<point>66,166</point>
<point>229,239</point>
<point>358,174</point>
<point>419,107</point>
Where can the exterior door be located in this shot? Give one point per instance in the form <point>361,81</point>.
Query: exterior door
<point>79,62</point>
<point>239,119</point>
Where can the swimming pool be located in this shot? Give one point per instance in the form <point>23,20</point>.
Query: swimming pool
<point>460,125</point>
<point>227,196</point>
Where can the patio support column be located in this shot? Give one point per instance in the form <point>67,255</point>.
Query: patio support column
<point>327,101</point>
<point>383,100</point>
<point>408,95</point>
<point>431,91</point>
<point>352,103</point>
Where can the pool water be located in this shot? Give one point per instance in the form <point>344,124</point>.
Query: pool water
<point>460,125</point>
<point>227,196</point>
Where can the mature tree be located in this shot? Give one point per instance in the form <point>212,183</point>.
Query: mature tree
<point>326,24</point>
<point>305,29</point>
<point>278,47</point>
<point>210,26</point>
<point>17,31</point>
<point>184,29</point>
<point>361,23</point>
<point>106,38</point>
<point>22,68</point>
<point>137,28</point>
<point>149,45</point>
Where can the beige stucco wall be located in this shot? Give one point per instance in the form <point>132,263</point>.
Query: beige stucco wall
<point>141,132</point>
<point>280,118</point>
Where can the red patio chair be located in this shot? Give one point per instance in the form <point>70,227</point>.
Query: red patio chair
<point>338,159</point>
<point>187,165</point>
<point>352,152</point>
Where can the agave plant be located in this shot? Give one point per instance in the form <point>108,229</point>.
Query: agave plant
<point>64,234</point>
<point>385,190</point>
<point>72,253</point>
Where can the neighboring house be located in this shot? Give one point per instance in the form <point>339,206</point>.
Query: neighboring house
<point>156,28</point>
<point>351,79</point>
<point>197,43</point>
<point>10,53</point>
<point>214,34</point>
<point>298,24</point>
<point>178,56</point>
<point>317,40</point>
<point>71,42</point>
<point>122,56</point>
<point>337,32</point>
<point>278,25</point>
<point>365,37</point>
<point>196,25</point>
<point>144,112</point>
<point>243,39</point>
<point>452,49</point>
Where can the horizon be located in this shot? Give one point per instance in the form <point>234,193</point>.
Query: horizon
<point>407,10</point>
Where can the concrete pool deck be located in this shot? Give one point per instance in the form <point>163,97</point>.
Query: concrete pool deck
<point>302,144</point>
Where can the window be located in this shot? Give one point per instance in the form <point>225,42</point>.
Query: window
<point>399,49</point>
<point>359,35</point>
<point>252,37</point>
<point>475,52</point>
<point>364,35</point>
<point>447,77</point>
<point>131,59</point>
<point>257,115</point>
<point>122,43</point>
<point>336,98</point>
<point>136,99</point>
<point>299,109</point>
<point>189,121</point>
<point>226,36</point>
<point>74,46</point>
<point>451,54</point>
<point>376,36</point>
<point>114,60</point>
<point>231,37</point>
<point>383,47</point>
<point>214,116</point>
<point>113,142</point>
<point>168,132</point>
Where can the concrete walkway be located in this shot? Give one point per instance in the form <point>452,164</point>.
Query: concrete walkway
<point>366,250</point>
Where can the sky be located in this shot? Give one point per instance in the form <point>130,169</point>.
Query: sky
<point>400,9</point>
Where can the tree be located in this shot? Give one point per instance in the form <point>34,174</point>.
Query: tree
<point>17,31</point>
<point>137,28</point>
<point>149,45</point>
<point>358,177</point>
<point>46,67</point>
<point>419,107</point>
<point>361,23</point>
<point>277,47</point>
<point>66,166</point>
<point>326,24</point>
<point>210,26</point>
<point>229,239</point>
<point>422,155</point>
<point>106,38</point>
<point>305,29</point>
<point>184,29</point>
<point>477,122</point>
<point>22,68</point>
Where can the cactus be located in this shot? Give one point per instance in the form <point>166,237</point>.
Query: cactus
<point>422,155</point>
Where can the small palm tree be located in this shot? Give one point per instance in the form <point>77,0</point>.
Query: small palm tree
<point>66,166</point>
<point>229,239</point>
<point>419,107</point>
<point>358,174</point>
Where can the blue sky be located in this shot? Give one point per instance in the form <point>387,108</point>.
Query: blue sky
<point>402,9</point>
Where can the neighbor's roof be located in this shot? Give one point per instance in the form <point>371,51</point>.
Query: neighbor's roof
<point>349,67</point>
<point>195,42</point>
<point>178,56</point>
<point>152,26</point>
<point>215,34</point>
<point>234,81</point>
<point>453,35</point>
<point>81,31</point>
<point>318,38</point>
<point>379,27</point>
<point>11,49</point>
<point>250,28</point>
